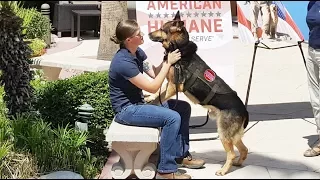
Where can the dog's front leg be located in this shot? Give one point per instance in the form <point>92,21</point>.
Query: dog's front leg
<point>165,94</point>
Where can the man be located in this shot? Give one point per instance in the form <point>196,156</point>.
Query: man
<point>313,67</point>
<point>264,8</point>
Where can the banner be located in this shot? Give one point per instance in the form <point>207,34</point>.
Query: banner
<point>286,28</point>
<point>209,24</point>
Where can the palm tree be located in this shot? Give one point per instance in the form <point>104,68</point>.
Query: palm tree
<point>112,12</point>
<point>14,61</point>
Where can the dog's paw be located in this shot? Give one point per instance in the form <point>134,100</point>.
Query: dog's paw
<point>150,98</point>
<point>221,172</point>
<point>236,164</point>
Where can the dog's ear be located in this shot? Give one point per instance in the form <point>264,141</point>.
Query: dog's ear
<point>177,17</point>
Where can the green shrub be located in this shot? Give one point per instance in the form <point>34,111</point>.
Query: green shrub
<point>26,15</point>
<point>36,25</point>
<point>13,164</point>
<point>38,80</point>
<point>57,102</point>
<point>39,27</point>
<point>30,147</point>
<point>37,46</point>
<point>57,149</point>
<point>5,138</point>
<point>15,5</point>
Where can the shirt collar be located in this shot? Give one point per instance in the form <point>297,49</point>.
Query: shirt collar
<point>127,53</point>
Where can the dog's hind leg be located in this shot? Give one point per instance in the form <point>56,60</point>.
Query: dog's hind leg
<point>228,147</point>
<point>243,150</point>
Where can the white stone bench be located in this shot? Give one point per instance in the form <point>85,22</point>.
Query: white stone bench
<point>134,145</point>
<point>52,65</point>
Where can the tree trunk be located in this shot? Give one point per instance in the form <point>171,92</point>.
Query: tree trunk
<point>112,12</point>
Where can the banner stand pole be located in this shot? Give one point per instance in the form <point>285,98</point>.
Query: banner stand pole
<point>252,65</point>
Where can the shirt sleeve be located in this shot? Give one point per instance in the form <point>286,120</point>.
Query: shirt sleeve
<point>313,15</point>
<point>128,69</point>
<point>311,3</point>
<point>141,54</point>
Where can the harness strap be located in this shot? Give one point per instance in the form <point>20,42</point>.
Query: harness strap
<point>177,73</point>
<point>210,95</point>
<point>191,80</point>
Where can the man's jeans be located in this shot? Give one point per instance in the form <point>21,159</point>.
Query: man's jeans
<point>313,72</point>
<point>174,121</point>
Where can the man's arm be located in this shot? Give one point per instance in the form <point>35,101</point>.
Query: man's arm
<point>313,14</point>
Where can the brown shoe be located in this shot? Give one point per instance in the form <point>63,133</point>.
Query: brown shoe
<point>190,162</point>
<point>176,175</point>
<point>315,151</point>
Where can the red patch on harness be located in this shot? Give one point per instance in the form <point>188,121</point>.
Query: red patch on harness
<point>209,75</point>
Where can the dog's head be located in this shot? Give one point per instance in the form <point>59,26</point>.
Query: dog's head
<point>273,8</point>
<point>172,34</point>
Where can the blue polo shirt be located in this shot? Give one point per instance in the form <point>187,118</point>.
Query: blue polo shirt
<point>313,22</point>
<point>123,67</point>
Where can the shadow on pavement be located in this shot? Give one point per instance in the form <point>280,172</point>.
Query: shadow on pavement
<point>260,112</point>
<point>256,165</point>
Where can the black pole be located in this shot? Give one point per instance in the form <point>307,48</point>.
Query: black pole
<point>302,54</point>
<point>250,78</point>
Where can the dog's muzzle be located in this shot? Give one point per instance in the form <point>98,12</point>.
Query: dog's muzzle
<point>157,39</point>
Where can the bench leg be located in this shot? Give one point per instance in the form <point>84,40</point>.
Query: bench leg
<point>142,168</point>
<point>51,73</point>
<point>134,157</point>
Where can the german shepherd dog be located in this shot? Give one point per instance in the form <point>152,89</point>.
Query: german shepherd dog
<point>202,86</point>
<point>273,20</point>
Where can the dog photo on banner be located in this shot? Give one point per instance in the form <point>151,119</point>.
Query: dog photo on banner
<point>208,23</point>
<point>266,20</point>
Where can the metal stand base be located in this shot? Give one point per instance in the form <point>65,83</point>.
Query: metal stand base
<point>256,45</point>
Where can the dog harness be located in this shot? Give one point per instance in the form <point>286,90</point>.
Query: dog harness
<point>200,73</point>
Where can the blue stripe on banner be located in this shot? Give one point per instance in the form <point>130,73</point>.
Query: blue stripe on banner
<point>281,10</point>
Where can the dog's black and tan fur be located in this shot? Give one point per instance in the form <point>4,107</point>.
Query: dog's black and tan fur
<point>225,106</point>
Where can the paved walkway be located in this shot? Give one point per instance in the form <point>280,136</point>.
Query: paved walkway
<point>278,99</point>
